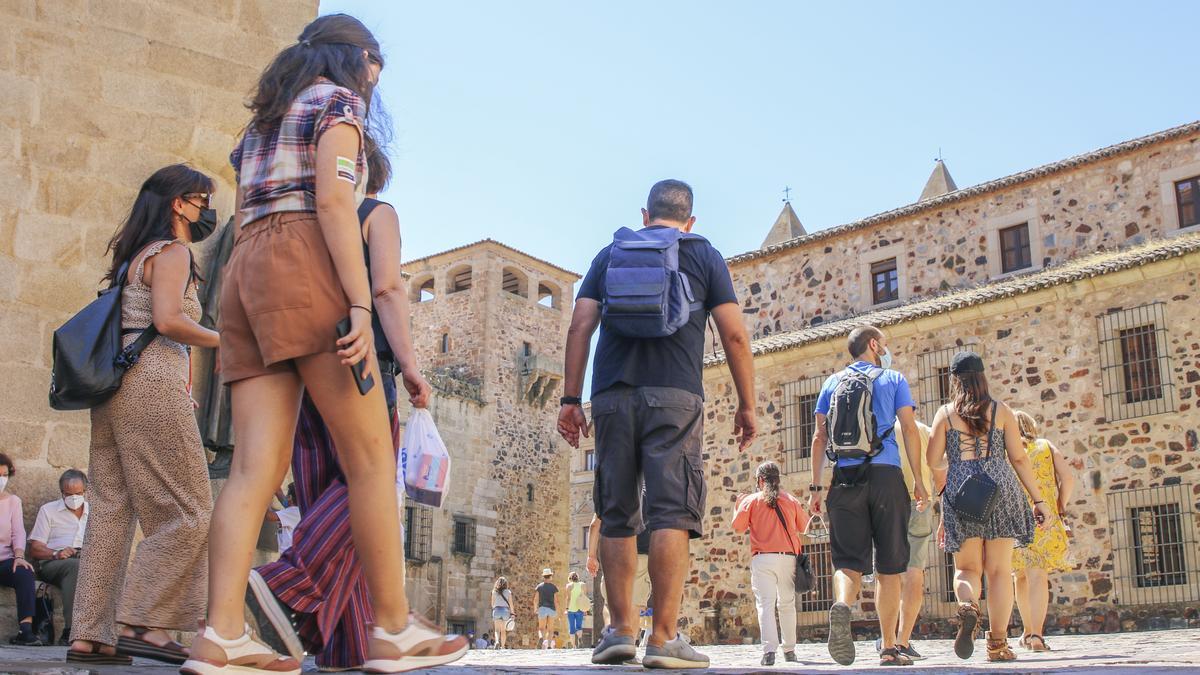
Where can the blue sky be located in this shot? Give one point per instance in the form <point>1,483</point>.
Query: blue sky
<point>543,124</point>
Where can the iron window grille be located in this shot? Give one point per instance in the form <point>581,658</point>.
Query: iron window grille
<point>799,422</point>
<point>814,607</point>
<point>1135,363</point>
<point>1187,200</point>
<point>933,378</point>
<point>462,626</point>
<point>418,532</point>
<point>885,282</point>
<point>1155,546</point>
<point>464,535</point>
<point>1015,252</point>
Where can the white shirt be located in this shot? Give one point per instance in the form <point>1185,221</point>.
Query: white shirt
<point>289,518</point>
<point>57,527</point>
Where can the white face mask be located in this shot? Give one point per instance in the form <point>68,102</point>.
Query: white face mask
<point>885,359</point>
<point>73,501</point>
<point>3,483</point>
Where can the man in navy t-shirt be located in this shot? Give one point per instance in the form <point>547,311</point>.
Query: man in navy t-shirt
<point>868,501</point>
<point>648,407</point>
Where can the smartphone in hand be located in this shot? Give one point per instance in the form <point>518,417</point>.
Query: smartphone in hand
<point>364,385</point>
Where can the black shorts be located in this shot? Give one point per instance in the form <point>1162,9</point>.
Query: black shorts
<point>655,433</point>
<point>868,510</point>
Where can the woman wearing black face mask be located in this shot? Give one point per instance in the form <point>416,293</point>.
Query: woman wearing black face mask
<point>147,464</point>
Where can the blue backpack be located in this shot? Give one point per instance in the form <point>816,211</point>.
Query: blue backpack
<point>646,296</point>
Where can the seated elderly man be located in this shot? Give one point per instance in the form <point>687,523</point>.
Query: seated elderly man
<point>57,537</point>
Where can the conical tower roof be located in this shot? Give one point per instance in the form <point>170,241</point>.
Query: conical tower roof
<point>787,226</point>
<point>939,182</point>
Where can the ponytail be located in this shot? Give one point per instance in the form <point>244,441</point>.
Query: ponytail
<point>768,473</point>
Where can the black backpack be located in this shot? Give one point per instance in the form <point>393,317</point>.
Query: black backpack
<point>853,429</point>
<point>88,360</point>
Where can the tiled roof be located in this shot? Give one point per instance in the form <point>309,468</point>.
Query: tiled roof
<point>1082,268</point>
<point>501,244</point>
<point>982,188</point>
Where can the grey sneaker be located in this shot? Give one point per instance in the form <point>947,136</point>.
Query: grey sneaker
<point>613,649</point>
<point>676,654</point>
<point>841,639</point>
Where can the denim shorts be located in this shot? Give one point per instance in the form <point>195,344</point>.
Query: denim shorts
<point>547,612</point>
<point>501,613</point>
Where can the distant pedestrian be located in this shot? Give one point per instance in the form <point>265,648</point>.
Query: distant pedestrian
<point>651,292</point>
<point>546,595</point>
<point>978,435</point>
<point>502,611</point>
<point>1047,553</point>
<point>775,521</point>
<point>577,604</point>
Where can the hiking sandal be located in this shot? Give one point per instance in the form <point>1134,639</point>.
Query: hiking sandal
<point>968,626</point>
<point>998,649</point>
<point>892,657</point>
<point>1041,645</point>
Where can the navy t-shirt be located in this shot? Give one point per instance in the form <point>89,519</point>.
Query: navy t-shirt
<point>672,361</point>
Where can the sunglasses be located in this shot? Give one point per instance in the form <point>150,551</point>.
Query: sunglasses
<point>204,198</point>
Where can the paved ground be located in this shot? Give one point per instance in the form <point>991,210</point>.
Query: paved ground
<point>1176,651</point>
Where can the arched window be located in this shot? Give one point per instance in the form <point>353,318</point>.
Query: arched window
<point>549,295</point>
<point>422,290</point>
<point>459,279</point>
<point>444,344</point>
<point>513,281</point>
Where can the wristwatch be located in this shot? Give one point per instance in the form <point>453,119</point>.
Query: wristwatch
<point>570,400</point>
<point>813,487</point>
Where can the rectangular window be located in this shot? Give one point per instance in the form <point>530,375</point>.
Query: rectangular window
<point>464,535</point>
<point>418,532</point>
<point>1187,200</point>
<point>1155,548</point>
<point>933,378</point>
<point>885,284</point>
<point>585,537</point>
<point>462,626</point>
<point>1157,533</point>
<point>799,422</point>
<point>821,597</point>
<point>445,346</point>
<point>1135,362</point>
<point>1014,248</point>
<point>589,460</point>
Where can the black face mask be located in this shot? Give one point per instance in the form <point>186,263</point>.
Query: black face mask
<point>203,226</point>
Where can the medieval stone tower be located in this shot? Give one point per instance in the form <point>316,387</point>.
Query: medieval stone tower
<point>489,324</point>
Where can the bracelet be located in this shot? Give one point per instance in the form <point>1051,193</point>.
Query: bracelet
<point>365,309</point>
<point>1040,501</point>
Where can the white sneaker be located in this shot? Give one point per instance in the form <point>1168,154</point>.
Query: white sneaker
<point>419,645</point>
<point>212,654</point>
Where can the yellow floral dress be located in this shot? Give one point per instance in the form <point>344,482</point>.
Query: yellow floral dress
<point>1049,548</point>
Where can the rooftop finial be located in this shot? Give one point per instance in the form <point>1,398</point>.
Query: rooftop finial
<point>787,194</point>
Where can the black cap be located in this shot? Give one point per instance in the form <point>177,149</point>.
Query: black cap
<point>966,362</point>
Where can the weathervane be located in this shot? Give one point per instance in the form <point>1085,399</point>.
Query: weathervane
<point>787,194</point>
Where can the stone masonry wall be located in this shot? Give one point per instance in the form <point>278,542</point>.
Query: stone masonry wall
<point>1102,205</point>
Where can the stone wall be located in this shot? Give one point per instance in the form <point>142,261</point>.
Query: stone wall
<point>1104,204</point>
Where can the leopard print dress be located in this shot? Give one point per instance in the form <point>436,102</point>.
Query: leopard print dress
<point>147,467</point>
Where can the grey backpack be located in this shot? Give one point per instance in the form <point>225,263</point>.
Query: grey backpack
<point>853,429</point>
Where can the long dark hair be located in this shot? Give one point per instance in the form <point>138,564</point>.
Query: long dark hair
<point>151,218</point>
<point>768,473</point>
<point>331,47</point>
<point>379,166</point>
<point>971,401</point>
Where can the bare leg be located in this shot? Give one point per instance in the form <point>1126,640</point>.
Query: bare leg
<point>264,421</point>
<point>912,594</point>
<point>968,570</point>
<point>618,559</point>
<point>887,604</point>
<point>846,585</point>
<point>363,437</point>
<point>1038,601</point>
<point>1021,594</point>
<point>668,567</point>
<point>997,565</point>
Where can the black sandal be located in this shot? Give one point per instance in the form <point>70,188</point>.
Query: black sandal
<point>172,652</point>
<point>892,657</point>
<point>97,658</point>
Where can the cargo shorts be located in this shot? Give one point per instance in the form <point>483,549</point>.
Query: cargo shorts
<point>655,434</point>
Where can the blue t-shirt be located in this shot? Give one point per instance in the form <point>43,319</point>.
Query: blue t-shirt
<point>890,396</point>
<point>672,361</point>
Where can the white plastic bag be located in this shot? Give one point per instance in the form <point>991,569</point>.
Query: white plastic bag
<point>424,467</point>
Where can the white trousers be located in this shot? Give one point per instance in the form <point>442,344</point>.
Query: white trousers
<point>773,580</point>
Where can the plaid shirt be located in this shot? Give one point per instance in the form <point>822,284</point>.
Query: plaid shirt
<point>277,172</point>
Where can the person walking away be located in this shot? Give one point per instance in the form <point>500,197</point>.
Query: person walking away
<point>315,597</point>
<point>774,520</point>
<point>546,594</point>
<point>976,434</point>
<point>15,571</point>
<point>648,403</point>
<point>1047,553</point>
<point>57,539</point>
<point>577,604</point>
<point>146,462</point>
<point>295,272</point>
<point>920,534</point>
<point>502,611</point>
<point>868,503</point>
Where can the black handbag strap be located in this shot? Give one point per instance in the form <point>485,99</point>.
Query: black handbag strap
<point>783,522</point>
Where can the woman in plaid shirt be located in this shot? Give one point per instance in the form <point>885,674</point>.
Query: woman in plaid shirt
<point>296,271</point>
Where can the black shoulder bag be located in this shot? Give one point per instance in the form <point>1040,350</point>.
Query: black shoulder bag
<point>975,499</point>
<point>805,581</point>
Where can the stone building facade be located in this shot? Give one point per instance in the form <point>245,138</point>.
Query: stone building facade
<point>1077,282</point>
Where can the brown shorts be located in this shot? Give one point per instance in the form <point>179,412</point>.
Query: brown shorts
<point>281,297</point>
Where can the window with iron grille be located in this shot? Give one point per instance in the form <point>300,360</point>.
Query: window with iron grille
<point>461,626</point>
<point>589,460</point>
<point>799,422</point>
<point>933,378</point>
<point>821,597</point>
<point>418,532</point>
<point>1014,248</point>
<point>885,282</point>
<point>464,535</point>
<point>1135,364</point>
<point>1155,547</point>
<point>1187,200</point>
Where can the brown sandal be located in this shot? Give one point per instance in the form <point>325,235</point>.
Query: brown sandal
<point>1041,645</point>
<point>137,645</point>
<point>95,656</point>
<point>968,627</point>
<point>998,649</point>
<point>892,657</point>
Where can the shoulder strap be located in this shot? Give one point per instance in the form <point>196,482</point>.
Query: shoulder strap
<point>992,427</point>
<point>505,598</point>
<point>366,207</point>
<point>783,522</point>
